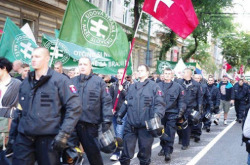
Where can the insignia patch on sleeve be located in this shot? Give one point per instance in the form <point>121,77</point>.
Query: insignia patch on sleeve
<point>107,90</point>
<point>182,92</point>
<point>72,89</point>
<point>159,92</point>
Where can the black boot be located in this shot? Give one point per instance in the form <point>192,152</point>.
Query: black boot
<point>167,157</point>
<point>161,153</point>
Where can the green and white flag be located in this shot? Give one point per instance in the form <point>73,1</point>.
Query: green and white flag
<point>85,25</point>
<point>69,54</point>
<point>14,44</point>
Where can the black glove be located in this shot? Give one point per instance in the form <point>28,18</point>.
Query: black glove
<point>60,141</point>
<point>105,126</point>
<point>119,120</point>
<point>180,115</point>
<point>9,148</point>
<point>201,109</point>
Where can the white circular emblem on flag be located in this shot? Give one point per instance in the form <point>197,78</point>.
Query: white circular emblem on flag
<point>22,48</point>
<point>98,29</point>
<point>58,51</point>
<point>163,65</point>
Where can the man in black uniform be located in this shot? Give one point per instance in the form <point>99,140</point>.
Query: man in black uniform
<point>207,107</point>
<point>144,101</point>
<point>175,108</point>
<point>51,109</point>
<point>215,97</point>
<point>96,109</point>
<point>192,100</point>
<point>241,99</point>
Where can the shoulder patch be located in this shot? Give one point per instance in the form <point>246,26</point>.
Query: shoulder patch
<point>107,90</point>
<point>72,89</point>
<point>182,92</point>
<point>159,92</point>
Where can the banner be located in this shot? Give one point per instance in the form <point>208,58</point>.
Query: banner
<point>161,65</point>
<point>69,54</point>
<point>14,44</point>
<point>86,25</point>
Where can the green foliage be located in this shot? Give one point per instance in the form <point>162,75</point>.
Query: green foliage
<point>168,40</point>
<point>211,20</point>
<point>205,59</point>
<point>236,48</point>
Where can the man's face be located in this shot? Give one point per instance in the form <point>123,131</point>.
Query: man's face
<point>187,74</point>
<point>71,74</point>
<point>168,75</point>
<point>25,72</point>
<point>120,74</point>
<point>16,65</point>
<point>197,78</point>
<point>224,79</point>
<point>241,82</point>
<point>210,81</point>
<point>84,66</point>
<point>39,59</point>
<point>58,68</point>
<point>142,72</point>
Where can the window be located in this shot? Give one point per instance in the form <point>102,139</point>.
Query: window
<point>30,22</point>
<point>125,12</point>
<point>109,8</point>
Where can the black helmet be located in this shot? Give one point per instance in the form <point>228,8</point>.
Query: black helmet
<point>73,156</point>
<point>107,142</point>
<point>182,124</point>
<point>154,126</point>
<point>195,117</point>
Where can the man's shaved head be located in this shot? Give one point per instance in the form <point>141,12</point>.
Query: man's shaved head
<point>42,50</point>
<point>40,58</point>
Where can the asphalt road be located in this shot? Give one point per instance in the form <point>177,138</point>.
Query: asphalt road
<point>221,146</point>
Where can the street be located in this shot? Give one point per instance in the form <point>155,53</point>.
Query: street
<point>222,145</point>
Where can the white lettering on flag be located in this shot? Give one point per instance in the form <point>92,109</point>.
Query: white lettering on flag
<point>169,3</point>
<point>56,53</point>
<point>27,47</point>
<point>97,26</point>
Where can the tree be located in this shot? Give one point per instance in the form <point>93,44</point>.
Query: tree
<point>236,49</point>
<point>211,20</point>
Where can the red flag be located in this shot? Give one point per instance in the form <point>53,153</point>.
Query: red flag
<point>241,71</point>
<point>227,66</point>
<point>178,15</point>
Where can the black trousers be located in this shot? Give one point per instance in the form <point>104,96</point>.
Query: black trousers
<point>184,135</point>
<point>169,122</point>
<point>240,108</point>
<point>145,141</point>
<point>88,134</point>
<point>28,149</point>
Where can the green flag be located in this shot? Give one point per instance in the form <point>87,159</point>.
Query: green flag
<point>85,25</point>
<point>69,54</point>
<point>161,65</point>
<point>14,44</point>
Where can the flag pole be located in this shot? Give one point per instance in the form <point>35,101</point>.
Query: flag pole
<point>52,58</point>
<point>126,66</point>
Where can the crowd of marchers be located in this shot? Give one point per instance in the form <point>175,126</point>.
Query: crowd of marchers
<point>49,117</point>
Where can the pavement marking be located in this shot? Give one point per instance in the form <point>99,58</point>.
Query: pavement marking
<point>210,145</point>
